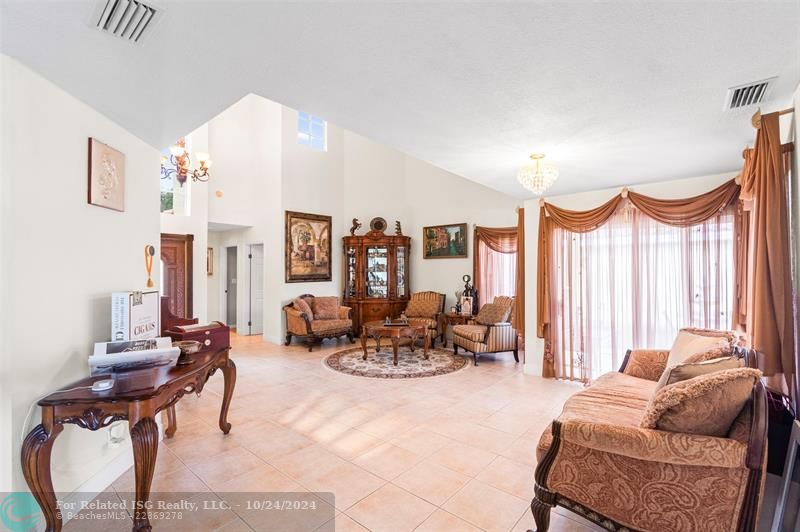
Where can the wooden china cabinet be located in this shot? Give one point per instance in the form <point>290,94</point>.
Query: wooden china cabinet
<point>376,274</point>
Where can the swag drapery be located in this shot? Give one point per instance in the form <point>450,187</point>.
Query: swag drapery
<point>760,275</point>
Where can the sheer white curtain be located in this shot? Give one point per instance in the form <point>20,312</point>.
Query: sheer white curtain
<point>498,273</point>
<point>633,283</point>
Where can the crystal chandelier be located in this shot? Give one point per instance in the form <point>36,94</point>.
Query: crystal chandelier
<point>537,177</point>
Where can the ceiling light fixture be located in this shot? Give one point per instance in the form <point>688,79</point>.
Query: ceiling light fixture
<point>179,159</point>
<point>537,177</point>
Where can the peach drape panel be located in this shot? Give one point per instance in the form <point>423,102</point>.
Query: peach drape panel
<point>486,240</point>
<point>681,213</point>
<point>763,180</point>
<point>519,314</point>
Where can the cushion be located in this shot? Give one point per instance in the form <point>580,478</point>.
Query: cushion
<point>325,308</point>
<point>492,313</point>
<point>687,344</point>
<point>430,323</point>
<point>421,307</point>
<point>711,354</point>
<point>328,326</point>
<point>706,405</point>
<point>474,333</point>
<point>732,337</point>
<point>690,370</point>
<point>302,305</point>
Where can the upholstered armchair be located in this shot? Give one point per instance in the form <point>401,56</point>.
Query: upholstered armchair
<point>315,318</point>
<point>427,308</point>
<point>490,332</point>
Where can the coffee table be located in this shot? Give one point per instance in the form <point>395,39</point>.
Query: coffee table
<point>395,332</point>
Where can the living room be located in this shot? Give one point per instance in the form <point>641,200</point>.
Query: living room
<point>444,266</point>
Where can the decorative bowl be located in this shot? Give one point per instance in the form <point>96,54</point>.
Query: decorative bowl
<point>187,347</point>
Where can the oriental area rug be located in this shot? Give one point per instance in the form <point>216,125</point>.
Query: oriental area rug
<point>409,365</point>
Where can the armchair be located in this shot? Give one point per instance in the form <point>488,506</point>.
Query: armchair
<point>427,308</point>
<point>495,337</point>
<point>302,323</point>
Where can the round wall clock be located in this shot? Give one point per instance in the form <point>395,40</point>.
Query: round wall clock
<point>378,224</point>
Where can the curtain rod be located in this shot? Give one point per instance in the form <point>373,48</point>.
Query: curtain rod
<point>756,120</point>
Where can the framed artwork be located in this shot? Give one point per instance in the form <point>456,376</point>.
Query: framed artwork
<point>308,247</point>
<point>444,241</point>
<point>466,305</point>
<point>106,176</point>
<point>210,261</point>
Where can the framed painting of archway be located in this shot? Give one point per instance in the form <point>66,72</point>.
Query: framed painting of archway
<point>308,247</point>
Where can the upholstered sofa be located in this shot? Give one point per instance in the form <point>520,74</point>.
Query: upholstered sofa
<point>427,308</point>
<point>315,318</point>
<point>597,460</point>
<point>495,335</point>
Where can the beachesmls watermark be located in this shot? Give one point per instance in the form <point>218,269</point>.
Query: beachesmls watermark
<point>267,511</point>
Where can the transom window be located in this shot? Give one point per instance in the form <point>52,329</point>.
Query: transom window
<point>311,131</point>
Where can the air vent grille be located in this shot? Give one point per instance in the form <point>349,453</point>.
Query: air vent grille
<point>126,19</point>
<point>748,95</point>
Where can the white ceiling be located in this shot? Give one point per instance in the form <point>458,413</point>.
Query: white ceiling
<point>615,93</point>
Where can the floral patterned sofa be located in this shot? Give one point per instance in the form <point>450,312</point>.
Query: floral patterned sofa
<point>601,459</point>
<point>316,318</point>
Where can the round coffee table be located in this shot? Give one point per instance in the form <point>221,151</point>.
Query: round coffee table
<point>395,332</point>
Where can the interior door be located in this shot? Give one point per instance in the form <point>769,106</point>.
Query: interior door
<point>230,287</point>
<point>256,319</point>
<point>176,268</point>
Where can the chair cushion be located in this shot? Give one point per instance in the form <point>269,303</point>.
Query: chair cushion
<point>689,370</point>
<point>327,326</point>
<point>687,344</point>
<point>430,323</point>
<point>302,305</point>
<point>473,333</point>
<point>492,313</point>
<point>423,306</point>
<point>325,308</point>
<point>706,405</point>
<point>711,354</point>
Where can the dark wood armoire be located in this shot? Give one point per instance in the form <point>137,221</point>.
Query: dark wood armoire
<point>376,273</point>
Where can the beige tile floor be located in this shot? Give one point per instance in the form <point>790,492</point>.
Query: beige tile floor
<point>454,452</point>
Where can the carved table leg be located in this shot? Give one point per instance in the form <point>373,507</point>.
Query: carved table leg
<point>364,344</point>
<point>36,468</point>
<point>426,344</point>
<point>144,438</point>
<point>229,372</point>
<point>395,345</point>
<point>377,344</point>
<point>172,422</point>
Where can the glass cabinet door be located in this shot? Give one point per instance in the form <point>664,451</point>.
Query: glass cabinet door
<point>401,271</point>
<point>377,272</point>
<point>350,271</point>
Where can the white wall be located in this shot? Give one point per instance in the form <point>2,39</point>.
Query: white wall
<point>681,188</point>
<point>61,260</point>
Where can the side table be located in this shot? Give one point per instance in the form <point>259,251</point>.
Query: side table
<point>453,318</point>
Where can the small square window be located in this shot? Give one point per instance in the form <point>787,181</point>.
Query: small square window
<point>311,131</point>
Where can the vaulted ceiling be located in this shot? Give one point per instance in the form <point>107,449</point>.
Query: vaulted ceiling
<point>614,93</point>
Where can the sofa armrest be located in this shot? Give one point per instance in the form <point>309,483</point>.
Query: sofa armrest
<point>345,313</point>
<point>645,363</point>
<point>297,322</point>
<point>501,337</point>
<point>656,445</point>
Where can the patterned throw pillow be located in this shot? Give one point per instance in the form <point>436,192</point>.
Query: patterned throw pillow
<point>423,308</point>
<point>687,344</point>
<point>302,305</point>
<point>492,313</point>
<point>325,308</point>
<point>690,370</point>
<point>711,354</point>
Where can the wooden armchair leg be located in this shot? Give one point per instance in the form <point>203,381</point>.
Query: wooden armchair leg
<point>542,503</point>
<point>288,338</point>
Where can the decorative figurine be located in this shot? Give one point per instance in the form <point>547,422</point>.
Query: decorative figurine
<point>397,229</point>
<point>149,253</point>
<point>356,226</point>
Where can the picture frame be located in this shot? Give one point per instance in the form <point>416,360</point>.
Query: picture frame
<point>210,261</point>
<point>445,241</point>
<point>307,247</point>
<point>466,305</point>
<point>106,176</point>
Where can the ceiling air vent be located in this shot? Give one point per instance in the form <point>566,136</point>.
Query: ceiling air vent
<point>749,94</point>
<point>126,19</point>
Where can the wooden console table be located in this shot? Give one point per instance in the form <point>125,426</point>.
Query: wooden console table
<point>137,396</point>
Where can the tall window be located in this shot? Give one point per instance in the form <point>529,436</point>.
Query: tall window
<point>498,273</point>
<point>632,283</point>
<point>311,131</point>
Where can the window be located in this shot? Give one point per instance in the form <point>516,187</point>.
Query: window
<point>311,131</point>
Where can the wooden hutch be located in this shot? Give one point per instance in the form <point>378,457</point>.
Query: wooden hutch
<point>376,274</point>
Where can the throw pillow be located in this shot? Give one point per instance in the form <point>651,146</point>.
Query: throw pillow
<point>325,308</point>
<point>492,313</point>
<point>690,370</point>
<point>706,405</point>
<point>711,354</point>
<point>423,308</point>
<point>687,344</point>
<point>302,305</point>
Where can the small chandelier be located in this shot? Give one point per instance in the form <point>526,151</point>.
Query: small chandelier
<point>180,161</point>
<point>537,177</point>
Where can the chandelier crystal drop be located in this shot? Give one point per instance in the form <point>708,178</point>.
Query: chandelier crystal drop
<point>538,176</point>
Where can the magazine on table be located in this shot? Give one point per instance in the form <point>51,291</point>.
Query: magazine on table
<point>115,357</point>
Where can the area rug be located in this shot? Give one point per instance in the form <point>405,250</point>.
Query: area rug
<point>409,365</point>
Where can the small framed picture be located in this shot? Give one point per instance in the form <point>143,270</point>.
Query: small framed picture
<point>210,261</point>
<point>466,305</point>
<point>106,176</point>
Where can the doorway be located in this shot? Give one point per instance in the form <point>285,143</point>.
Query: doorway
<point>255,321</point>
<point>230,286</point>
<point>176,272</point>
